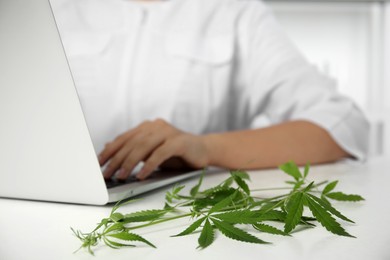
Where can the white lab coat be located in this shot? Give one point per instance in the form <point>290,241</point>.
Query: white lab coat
<point>203,65</point>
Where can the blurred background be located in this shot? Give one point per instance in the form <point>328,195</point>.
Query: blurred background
<point>350,41</point>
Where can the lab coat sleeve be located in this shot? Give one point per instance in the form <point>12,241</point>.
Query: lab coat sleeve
<point>282,85</point>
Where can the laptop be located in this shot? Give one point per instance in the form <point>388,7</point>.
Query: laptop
<point>46,152</point>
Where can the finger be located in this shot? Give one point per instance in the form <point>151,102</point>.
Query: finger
<point>116,161</point>
<point>162,153</point>
<point>112,148</point>
<point>142,148</point>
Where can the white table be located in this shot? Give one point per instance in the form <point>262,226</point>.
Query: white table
<point>40,230</point>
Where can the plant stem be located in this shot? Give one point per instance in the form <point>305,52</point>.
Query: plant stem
<point>160,221</point>
<point>271,189</point>
<point>287,188</point>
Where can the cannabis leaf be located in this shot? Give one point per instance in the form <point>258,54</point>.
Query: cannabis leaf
<point>192,227</point>
<point>242,184</point>
<point>145,215</point>
<point>344,197</point>
<point>328,188</point>
<point>324,217</point>
<point>125,236</point>
<point>194,191</point>
<point>291,169</point>
<point>294,211</point>
<point>174,194</point>
<point>235,233</point>
<point>206,236</point>
<point>239,216</point>
<point>328,207</point>
<point>223,203</point>
<point>269,229</point>
<point>227,207</point>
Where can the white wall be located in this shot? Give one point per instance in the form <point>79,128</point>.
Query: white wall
<point>346,40</point>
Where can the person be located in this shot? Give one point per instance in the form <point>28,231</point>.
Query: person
<point>193,83</point>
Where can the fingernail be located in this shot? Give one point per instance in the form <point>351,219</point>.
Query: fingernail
<point>122,173</point>
<point>141,175</point>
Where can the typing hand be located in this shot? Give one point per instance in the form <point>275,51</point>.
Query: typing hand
<point>156,143</point>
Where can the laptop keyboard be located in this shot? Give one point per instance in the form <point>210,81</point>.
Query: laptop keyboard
<point>111,183</point>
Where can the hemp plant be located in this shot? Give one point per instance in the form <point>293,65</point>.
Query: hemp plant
<point>225,208</point>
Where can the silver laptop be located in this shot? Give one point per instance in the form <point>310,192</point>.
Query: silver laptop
<point>46,151</point>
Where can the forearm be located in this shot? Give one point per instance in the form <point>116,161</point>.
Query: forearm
<point>300,141</point>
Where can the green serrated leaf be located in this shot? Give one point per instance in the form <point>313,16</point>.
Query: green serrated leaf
<point>115,207</point>
<point>306,218</point>
<point>206,237</point>
<point>122,203</point>
<point>108,243</point>
<point>131,237</point>
<point>235,233</point>
<point>194,191</point>
<point>173,194</point>
<point>212,198</point>
<point>144,215</point>
<point>324,199</point>
<point>115,227</point>
<point>325,218</point>
<point>227,183</point>
<point>291,169</point>
<point>200,204</point>
<point>168,197</point>
<point>212,190</point>
<point>327,206</point>
<point>221,193</point>
<point>114,244</point>
<point>104,222</point>
<point>177,189</point>
<point>298,184</point>
<point>223,203</point>
<point>191,228</point>
<point>116,217</point>
<point>306,170</point>
<point>294,211</point>
<point>240,174</point>
<point>239,216</point>
<point>168,207</point>
<point>344,197</point>
<point>272,215</point>
<point>329,187</point>
<point>224,206</point>
<point>308,187</point>
<point>242,184</point>
<point>269,205</point>
<point>269,229</point>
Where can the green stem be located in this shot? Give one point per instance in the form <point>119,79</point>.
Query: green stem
<point>287,188</point>
<point>258,203</point>
<point>270,189</point>
<point>276,205</point>
<point>159,221</point>
<point>320,184</point>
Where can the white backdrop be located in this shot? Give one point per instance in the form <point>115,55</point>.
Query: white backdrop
<point>347,41</point>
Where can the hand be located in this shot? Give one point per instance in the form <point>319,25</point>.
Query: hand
<point>154,143</point>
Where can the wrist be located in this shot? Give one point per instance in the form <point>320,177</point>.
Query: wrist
<point>213,148</point>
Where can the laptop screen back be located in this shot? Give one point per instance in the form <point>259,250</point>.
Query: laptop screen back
<point>45,148</point>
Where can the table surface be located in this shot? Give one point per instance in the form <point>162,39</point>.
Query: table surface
<point>41,230</point>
